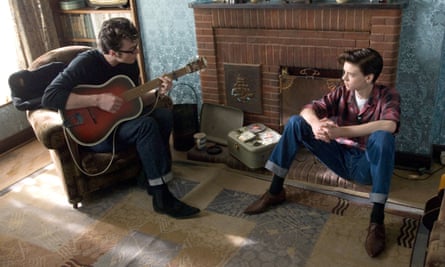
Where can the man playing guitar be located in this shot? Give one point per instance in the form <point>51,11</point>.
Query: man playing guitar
<point>148,132</point>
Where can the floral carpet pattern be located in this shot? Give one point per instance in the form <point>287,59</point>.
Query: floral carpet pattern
<point>38,227</point>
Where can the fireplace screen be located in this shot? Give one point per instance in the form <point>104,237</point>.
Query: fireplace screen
<point>299,86</point>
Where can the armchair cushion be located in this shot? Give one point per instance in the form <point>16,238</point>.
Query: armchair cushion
<point>93,162</point>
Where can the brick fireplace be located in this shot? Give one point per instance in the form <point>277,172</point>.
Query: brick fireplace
<point>274,36</point>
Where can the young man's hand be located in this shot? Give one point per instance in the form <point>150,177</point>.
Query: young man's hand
<point>166,85</point>
<point>109,102</point>
<point>324,130</point>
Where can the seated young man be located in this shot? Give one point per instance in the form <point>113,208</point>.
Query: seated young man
<point>149,132</point>
<point>351,130</point>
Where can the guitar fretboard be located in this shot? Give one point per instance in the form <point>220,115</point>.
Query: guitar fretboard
<point>142,89</point>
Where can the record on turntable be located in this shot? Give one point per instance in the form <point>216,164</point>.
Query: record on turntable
<point>256,128</point>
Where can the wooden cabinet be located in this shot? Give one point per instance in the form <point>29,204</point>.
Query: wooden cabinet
<point>81,26</point>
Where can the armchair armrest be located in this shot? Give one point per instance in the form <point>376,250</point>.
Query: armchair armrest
<point>47,126</point>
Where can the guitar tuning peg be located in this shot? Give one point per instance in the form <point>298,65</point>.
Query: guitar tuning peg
<point>193,59</point>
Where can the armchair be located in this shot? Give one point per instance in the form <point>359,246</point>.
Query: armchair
<point>47,126</point>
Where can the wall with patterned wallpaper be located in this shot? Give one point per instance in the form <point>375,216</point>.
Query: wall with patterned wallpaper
<point>169,42</point>
<point>421,75</point>
<point>438,128</point>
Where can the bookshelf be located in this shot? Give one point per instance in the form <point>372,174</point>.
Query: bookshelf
<point>81,26</point>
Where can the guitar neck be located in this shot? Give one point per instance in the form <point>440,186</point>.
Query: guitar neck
<point>144,88</point>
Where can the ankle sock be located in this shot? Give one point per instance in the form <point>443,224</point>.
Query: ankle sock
<point>158,187</point>
<point>378,213</point>
<point>277,185</point>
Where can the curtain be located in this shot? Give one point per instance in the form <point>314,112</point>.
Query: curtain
<point>36,31</point>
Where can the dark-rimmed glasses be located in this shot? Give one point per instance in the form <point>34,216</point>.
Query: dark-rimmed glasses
<point>132,51</point>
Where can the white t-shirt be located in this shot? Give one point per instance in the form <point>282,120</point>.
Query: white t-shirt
<point>360,102</point>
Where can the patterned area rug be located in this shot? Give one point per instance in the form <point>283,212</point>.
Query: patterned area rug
<point>38,227</point>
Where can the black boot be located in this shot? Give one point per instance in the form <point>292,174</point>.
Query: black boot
<point>165,203</point>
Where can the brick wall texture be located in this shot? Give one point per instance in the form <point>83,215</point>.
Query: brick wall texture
<point>299,37</point>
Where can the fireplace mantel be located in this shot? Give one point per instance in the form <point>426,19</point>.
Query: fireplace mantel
<point>272,35</point>
<point>373,4</point>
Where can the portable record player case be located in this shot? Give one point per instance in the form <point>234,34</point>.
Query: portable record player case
<point>252,144</point>
<point>216,121</point>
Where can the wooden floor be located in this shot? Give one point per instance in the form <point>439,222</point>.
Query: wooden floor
<point>21,162</point>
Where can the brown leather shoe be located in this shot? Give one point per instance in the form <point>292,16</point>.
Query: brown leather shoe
<point>263,203</point>
<point>375,241</point>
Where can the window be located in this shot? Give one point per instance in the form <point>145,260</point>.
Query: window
<point>8,51</point>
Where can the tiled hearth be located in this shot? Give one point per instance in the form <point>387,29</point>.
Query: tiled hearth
<point>295,35</point>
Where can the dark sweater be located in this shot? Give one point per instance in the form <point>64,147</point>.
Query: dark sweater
<point>88,68</point>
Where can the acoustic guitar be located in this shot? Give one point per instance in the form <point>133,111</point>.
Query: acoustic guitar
<point>90,126</point>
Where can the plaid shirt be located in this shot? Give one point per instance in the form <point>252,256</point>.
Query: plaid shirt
<point>340,106</point>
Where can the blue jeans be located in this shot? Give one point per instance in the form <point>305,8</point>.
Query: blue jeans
<point>373,166</point>
<point>150,135</point>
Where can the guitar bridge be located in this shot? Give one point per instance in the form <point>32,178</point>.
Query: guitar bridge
<point>74,120</point>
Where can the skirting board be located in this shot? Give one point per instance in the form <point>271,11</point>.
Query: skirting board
<point>17,139</point>
<point>412,161</point>
<point>437,149</point>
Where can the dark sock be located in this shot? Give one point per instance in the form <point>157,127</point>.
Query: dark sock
<point>151,189</point>
<point>378,213</point>
<point>277,185</point>
<point>158,187</point>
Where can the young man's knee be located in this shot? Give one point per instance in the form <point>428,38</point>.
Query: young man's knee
<point>382,136</point>
<point>382,139</point>
<point>296,120</point>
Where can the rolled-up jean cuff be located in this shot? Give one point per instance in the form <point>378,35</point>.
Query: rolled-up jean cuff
<point>161,180</point>
<point>378,198</point>
<point>277,170</point>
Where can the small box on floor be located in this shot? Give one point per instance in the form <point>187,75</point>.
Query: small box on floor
<point>252,144</point>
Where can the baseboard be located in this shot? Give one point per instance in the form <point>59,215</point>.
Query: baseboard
<point>437,149</point>
<point>16,140</point>
<point>413,161</point>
